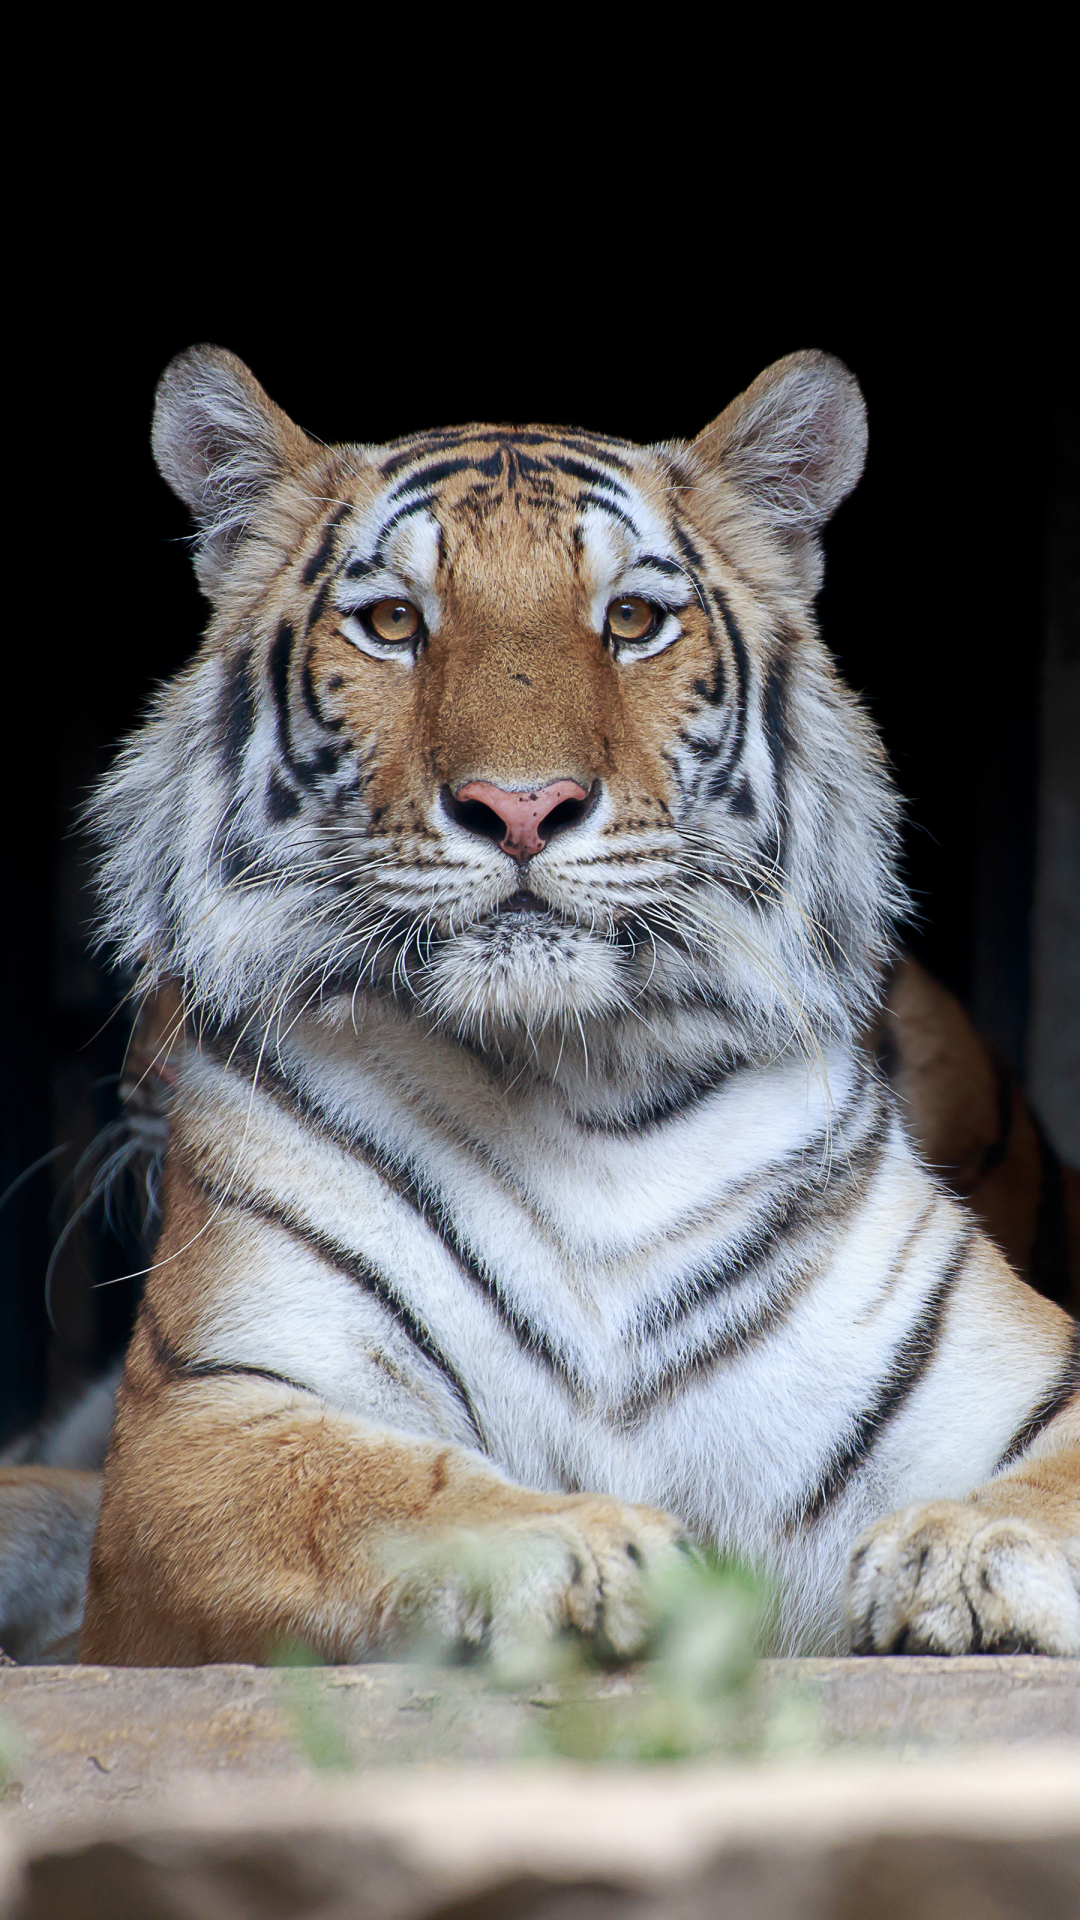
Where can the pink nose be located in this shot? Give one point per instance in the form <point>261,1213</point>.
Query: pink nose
<point>523,814</point>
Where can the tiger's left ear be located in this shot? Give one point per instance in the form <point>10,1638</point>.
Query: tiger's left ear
<point>794,444</point>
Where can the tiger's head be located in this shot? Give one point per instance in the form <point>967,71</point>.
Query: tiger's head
<point>525,727</point>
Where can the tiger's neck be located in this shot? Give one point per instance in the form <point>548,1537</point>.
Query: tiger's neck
<point>628,1100</point>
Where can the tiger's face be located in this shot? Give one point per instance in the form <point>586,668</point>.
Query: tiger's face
<point>525,727</point>
<point>515,650</point>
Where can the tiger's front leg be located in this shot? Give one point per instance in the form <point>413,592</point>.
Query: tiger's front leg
<point>998,1572</point>
<point>238,1517</point>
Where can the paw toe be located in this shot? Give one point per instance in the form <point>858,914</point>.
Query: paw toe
<point>942,1580</point>
<point>1020,1591</point>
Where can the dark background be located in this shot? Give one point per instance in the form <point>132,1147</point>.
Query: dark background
<point>935,603</point>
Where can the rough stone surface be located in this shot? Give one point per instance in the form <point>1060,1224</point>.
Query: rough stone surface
<point>990,1837</point>
<point>95,1739</point>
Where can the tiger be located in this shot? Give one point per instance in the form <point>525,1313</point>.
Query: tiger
<point>965,1114</point>
<point>533,1210</point>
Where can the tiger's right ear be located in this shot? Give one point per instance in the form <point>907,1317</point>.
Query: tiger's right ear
<point>220,442</point>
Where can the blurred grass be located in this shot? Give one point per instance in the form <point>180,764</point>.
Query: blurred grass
<point>696,1693</point>
<point>10,1753</point>
<point>316,1723</point>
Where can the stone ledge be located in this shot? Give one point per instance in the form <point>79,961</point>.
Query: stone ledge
<point>994,1835</point>
<point>99,1738</point>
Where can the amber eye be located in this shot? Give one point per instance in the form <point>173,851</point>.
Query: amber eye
<point>631,618</point>
<point>392,620</point>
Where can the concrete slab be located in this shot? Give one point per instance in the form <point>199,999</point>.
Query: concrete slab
<point>101,1738</point>
<point>994,1836</point>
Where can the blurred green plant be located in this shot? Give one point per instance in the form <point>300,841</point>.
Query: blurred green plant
<point>697,1692</point>
<point>312,1720</point>
<point>10,1753</point>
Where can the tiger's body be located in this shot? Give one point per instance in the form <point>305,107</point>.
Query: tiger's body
<point>529,876</point>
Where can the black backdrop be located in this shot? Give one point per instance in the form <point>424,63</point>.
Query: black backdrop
<point>932,600</point>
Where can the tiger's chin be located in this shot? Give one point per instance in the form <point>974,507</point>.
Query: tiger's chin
<point>522,973</point>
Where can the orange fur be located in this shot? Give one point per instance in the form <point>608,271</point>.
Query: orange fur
<point>972,1124</point>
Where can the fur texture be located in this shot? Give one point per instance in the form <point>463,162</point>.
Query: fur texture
<point>543,1200</point>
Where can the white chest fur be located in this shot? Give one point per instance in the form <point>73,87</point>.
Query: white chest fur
<point>696,1314</point>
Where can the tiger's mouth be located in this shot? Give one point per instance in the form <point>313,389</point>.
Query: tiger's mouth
<point>523,906</point>
<point>522,966</point>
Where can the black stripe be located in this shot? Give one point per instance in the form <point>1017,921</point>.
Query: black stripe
<point>408,1185</point>
<point>642,1116</point>
<point>713,692</point>
<point>411,450</point>
<point>492,467</point>
<point>607,506</point>
<point>761,1242</point>
<point>635,1407</point>
<point>241,861</point>
<point>430,1208</point>
<point>1052,1403</point>
<point>177,1367</point>
<point>784,1213</point>
<point>586,442</point>
<point>356,1269</point>
<point>912,1361</point>
<point>442,440</point>
<point>432,476</point>
<point>311,702</point>
<point>317,607</point>
<point>676,1375</point>
<point>774,714</point>
<point>592,476</point>
<point>721,779</point>
<point>526,464</point>
<point>691,552</point>
<point>403,513</point>
<point>282,802</point>
<point>279,667</point>
<point>324,552</point>
<point>236,712</point>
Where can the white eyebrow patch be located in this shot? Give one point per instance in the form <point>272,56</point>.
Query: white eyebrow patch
<point>389,559</point>
<point>606,551</point>
<point>655,583</point>
<point>613,564</point>
<point>413,547</point>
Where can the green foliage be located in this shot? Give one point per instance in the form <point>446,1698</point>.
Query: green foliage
<point>311,1718</point>
<point>696,1695</point>
<point>10,1753</point>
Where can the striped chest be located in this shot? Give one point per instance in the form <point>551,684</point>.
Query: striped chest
<point>731,1309</point>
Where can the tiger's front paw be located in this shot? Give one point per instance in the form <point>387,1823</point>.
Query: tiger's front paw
<point>946,1578</point>
<point>583,1566</point>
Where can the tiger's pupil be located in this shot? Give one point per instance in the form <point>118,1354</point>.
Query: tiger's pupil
<point>630,619</point>
<point>394,620</point>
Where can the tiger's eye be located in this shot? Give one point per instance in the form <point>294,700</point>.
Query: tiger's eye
<point>392,620</point>
<point>630,618</point>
